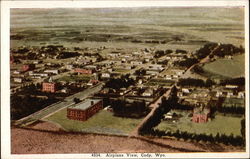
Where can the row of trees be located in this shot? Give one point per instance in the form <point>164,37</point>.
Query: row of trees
<point>218,138</point>
<point>228,49</point>
<point>231,110</point>
<point>235,81</point>
<point>160,53</point>
<point>187,62</point>
<point>195,82</point>
<point>117,83</point>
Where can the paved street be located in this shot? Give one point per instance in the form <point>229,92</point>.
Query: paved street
<point>57,106</point>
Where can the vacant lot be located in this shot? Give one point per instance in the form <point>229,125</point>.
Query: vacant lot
<point>227,67</point>
<point>103,122</point>
<point>220,124</point>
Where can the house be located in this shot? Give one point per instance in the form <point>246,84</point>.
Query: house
<point>169,115</point>
<point>231,86</point>
<point>148,92</point>
<point>52,71</point>
<point>28,67</point>
<point>136,62</point>
<point>84,110</point>
<point>200,114</point>
<point>65,90</point>
<point>241,94</point>
<point>92,82</point>
<point>16,72</point>
<point>105,75</point>
<point>18,80</point>
<point>152,72</point>
<point>83,71</point>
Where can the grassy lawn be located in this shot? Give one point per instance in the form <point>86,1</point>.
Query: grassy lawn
<point>84,78</point>
<point>103,122</point>
<point>220,124</point>
<point>227,67</point>
<point>234,102</point>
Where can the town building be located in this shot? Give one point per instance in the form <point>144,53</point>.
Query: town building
<point>52,71</point>
<point>28,67</point>
<point>200,114</point>
<point>83,71</point>
<point>84,110</point>
<point>18,80</point>
<point>49,86</point>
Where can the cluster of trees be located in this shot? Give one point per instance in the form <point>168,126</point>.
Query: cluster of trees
<point>140,72</point>
<point>205,50</point>
<point>231,110</point>
<point>16,37</point>
<point>160,53</point>
<point>187,62</point>
<point>64,55</point>
<point>21,106</point>
<point>21,50</point>
<point>198,69</point>
<point>117,83</point>
<point>228,49</point>
<point>228,140</point>
<point>195,82</point>
<point>235,81</point>
<point>180,51</point>
<point>155,119</point>
<point>124,108</point>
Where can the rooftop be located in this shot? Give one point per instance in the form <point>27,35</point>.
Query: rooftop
<point>85,104</point>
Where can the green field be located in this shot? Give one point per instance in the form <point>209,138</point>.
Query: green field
<point>103,122</point>
<point>229,68</point>
<point>220,124</point>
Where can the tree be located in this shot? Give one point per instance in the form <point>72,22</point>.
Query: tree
<point>243,129</point>
<point>76,100</point>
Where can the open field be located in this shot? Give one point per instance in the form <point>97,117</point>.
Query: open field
<point>51,142</point>
<point>220,124</point>
<point>230,68</point>
<point>127,27</point>
<point>103,122</point>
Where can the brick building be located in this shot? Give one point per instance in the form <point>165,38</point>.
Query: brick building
<point>83,71</point>
<point>200,115</point>
<point>84,110</point>
<point>28,67</point>
<point>49,87</point>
